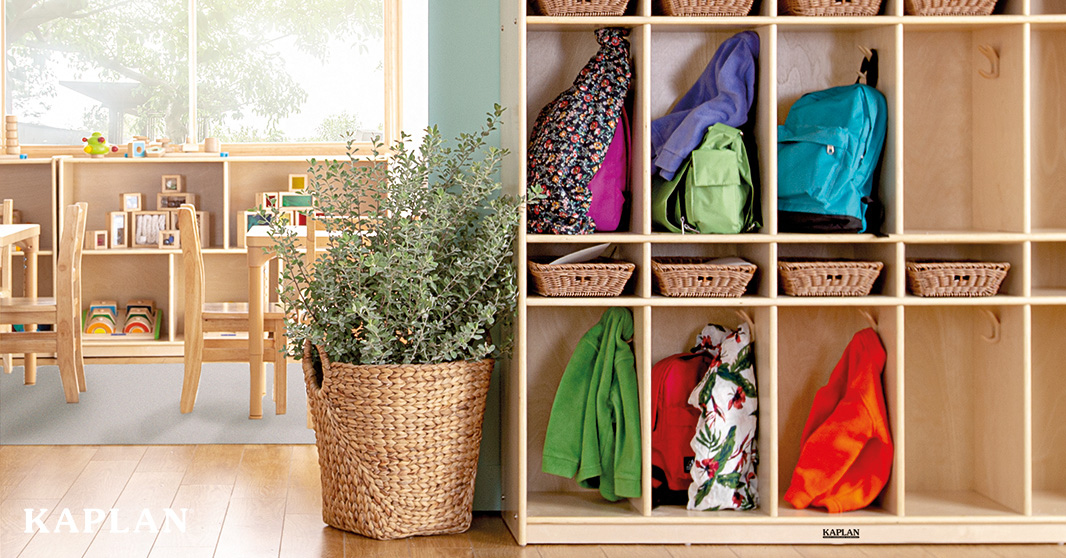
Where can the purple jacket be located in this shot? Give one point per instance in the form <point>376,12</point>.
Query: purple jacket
<point>723,93</point>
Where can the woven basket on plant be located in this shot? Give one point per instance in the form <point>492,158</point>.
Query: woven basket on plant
<point>397,444</point>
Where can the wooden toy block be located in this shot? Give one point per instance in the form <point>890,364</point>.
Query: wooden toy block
<point>169,238</point>
<point>297,182</point>
<point>294,200</point>
<point>137,148</point>
<point>96,240</point>
<point>132,201</point>
<point>118,228</point>
<point>173,183</point>
<point>203,221</point>
<point>172,200</point>
<point>145,227</point>
<point>266,199</point>
<point>100,318</point>
<point>246,220</point>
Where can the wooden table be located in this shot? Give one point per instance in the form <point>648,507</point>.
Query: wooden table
<point>26,236</point>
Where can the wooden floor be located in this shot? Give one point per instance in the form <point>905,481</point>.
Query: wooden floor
<point>264,501</point>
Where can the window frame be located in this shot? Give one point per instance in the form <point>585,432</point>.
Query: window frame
<point>400,57</point>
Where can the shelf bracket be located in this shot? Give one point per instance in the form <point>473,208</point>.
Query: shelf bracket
<point>996,326</point>
<point>743,315</point>
<point>993,61</point>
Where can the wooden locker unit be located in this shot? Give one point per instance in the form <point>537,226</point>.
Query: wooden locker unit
<point>972,169</point>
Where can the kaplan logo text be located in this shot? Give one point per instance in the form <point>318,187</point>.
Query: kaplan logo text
<point>117,520</point>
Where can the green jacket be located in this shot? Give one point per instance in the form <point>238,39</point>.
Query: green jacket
<point>594,427</point>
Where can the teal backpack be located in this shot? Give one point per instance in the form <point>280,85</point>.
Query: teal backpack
<point>712,192</point>
<point>828,152</point>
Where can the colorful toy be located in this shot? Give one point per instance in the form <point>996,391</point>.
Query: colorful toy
<point>173,183</point>
<point>170,239</point>
<point>96,145</point>
<point>137,148</point>
<point>140,317</point>
<point>100,317</point>
<point>97,240</point>
<point>11,141</point>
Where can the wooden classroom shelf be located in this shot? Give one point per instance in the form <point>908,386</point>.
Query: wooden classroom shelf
<point>972,170</point>
<point>40,187</point>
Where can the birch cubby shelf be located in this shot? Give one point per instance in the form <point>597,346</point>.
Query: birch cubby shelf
<point>972,170</point>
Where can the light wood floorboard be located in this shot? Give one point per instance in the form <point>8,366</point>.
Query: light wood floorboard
<point>265,501</point>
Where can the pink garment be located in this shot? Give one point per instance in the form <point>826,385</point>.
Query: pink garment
<point>611,180</point>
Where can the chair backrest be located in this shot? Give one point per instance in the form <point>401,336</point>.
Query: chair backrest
<point>8,212</point>
<point>68,272</point>
<point>193,260</point>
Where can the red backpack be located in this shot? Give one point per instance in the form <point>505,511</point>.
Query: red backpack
<point>673,420</point>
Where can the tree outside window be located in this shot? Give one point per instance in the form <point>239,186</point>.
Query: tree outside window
<point>265,70</point>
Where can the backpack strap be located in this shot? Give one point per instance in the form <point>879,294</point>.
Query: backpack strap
<point>868,69</point>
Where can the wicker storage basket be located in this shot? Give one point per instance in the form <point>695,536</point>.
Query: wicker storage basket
<point>956,278</point>
<point>695,277</point>
<point>397,445</point>
<point>676,8</point>
<point>582,7</point>
<point>599,277</point>
<point>950,7</point>
<point>833,7</point>
<point>828,278</point>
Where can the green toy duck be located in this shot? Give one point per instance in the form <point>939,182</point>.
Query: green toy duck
<point>96,145</point>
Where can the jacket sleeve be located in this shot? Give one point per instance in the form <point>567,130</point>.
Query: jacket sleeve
<point>562,442</point>
<point>627,442</point>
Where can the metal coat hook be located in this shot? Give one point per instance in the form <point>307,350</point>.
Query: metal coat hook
<point>869,319</point>
<point>996,326</point>
<point>993,60</point>
<point>743,315</point>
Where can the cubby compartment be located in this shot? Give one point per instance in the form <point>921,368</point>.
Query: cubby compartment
<point>630,252</point>
<point>964,129</point>
<point>1048,71</point>
<point>965,411</point>
<point>811,341</point>
<point>811,60</point>
<point>552,336</point>
<point>680,54</point>
<point>675,330</point>
<point>1014,283</point>
<point>101,183</point>
<point>1049,411</point>
<point>761,284</point>
<point>122,278</point>
<point>246,180</point>
<point>887,283</point>
<point>554,58</point>
<point>1048,261</point>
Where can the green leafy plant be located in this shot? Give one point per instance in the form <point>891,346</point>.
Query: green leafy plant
<point>418,265</point>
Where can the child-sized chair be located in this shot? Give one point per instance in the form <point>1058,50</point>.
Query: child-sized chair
<point>60,311</point>
<point>215,317</point>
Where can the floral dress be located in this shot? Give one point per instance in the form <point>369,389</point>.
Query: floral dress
<point>723,472</point>
<point>570,139</point>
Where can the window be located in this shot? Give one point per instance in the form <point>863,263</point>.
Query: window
<point>244,71</point>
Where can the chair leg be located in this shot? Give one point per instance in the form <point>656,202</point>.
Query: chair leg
<point>79,359</point>
<point>65,356</point>
<point>281,362</point>
<point>194,358</point>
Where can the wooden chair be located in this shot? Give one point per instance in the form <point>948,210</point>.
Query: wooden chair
<point>61,311</point>
<point>7,213</point>
<point>217,317</point>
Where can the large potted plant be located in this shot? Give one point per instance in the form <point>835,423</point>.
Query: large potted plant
<point>394,319</point>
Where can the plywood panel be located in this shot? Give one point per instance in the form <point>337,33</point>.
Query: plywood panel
<point>1049,405</point>
<point>1049,128</point>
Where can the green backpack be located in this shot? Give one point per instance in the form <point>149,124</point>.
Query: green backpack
<point>712,192</point>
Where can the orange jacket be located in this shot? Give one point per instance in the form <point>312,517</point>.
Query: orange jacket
<point>846,449</point>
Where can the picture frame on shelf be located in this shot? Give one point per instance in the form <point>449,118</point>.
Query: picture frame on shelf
<point>132,201</point>
<point>118,228</point>
<point>169,238</point>
<point>97,240</point>
<point>167,201</point>
<point>145,227</point>
<point>172,183</point>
